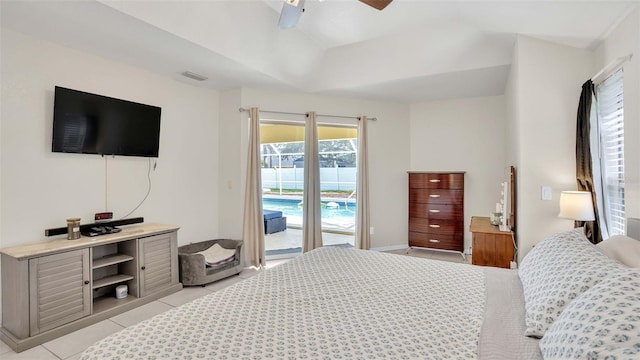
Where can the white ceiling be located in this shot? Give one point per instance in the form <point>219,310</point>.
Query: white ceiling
<point>411,51</point>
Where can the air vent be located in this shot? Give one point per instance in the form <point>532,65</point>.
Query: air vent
<point>194,76</point>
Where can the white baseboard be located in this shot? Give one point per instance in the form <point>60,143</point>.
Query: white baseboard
<point>390,248</point>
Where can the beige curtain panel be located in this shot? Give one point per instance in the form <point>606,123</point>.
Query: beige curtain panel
<point>311,221</point>
<point>363,237</point>
<point>253,225</point>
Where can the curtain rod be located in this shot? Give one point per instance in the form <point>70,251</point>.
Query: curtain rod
<point>294,113</point>
<point>611,66</point>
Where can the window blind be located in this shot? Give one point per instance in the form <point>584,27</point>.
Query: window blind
<point>610,106</point>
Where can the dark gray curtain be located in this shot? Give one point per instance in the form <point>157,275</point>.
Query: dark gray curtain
<point>584,171</point>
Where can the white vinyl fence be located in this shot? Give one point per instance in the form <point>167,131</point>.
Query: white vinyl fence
<point>335,178</point>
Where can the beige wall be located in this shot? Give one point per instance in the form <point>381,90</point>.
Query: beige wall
<point>232,148</point>
<point>543,94</point>
<point>511,96</point>
<point>40,189</point>
<point>463,135</point>
<point>625,40</point>
<point>389,154</point>
<point>199,182</point>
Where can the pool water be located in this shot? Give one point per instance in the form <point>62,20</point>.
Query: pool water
<point>293,208</point>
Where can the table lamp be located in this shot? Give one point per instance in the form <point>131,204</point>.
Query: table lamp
<point>576,205</point>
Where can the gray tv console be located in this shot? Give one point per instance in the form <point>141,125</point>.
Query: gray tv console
<point>58,286</point>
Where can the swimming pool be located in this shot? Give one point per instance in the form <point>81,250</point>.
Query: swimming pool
<point>335,214</point>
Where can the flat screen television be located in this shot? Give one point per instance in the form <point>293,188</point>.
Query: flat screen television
<point>94,124</point>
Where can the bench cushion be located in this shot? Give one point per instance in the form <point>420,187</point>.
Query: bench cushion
<point>217,255</point>
<point>271,214</point>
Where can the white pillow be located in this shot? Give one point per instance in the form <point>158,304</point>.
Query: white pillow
<point>556,271</point>
<point>602,323</point>
<point>622,248</point>
<point>217,255</point>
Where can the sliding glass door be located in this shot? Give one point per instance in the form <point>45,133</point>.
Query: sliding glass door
<point>337,147</point>
<point>282,152</point>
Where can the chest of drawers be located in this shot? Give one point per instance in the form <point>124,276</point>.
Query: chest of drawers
<point>436,210</point>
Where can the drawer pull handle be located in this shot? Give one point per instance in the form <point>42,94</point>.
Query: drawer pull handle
<point>434,240</point>
<point>434,196</point>
<point>434,226</point>
<point>434,180</point>
<point>434,211</point>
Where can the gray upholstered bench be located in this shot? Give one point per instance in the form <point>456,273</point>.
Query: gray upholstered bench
<point>274,221</point>
<point>193,269</point>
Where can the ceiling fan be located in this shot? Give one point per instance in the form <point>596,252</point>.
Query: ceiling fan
<point>292,9</point>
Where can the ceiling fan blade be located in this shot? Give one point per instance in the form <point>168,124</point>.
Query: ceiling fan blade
<point>378,4</point>
<point>290,14</point>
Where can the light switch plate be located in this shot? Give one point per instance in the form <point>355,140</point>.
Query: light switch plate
<point>546,193</point>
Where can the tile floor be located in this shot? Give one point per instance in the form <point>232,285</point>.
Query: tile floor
<point>292,238</point>
<point>70,346</point>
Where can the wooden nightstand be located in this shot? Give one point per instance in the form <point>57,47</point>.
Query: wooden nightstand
<point>491,247</point>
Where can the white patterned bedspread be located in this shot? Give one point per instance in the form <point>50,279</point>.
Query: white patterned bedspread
<point>331,303</point>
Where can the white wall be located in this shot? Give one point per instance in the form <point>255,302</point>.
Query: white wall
<point>512,131</point>
<point>543,94</point>
<point>232,147</point>
<point>389,154</point>
<point>463,135</point>
<point>622,41</point>
<point>511,96</point>
<point>199,182</point>
<point>40,189</point>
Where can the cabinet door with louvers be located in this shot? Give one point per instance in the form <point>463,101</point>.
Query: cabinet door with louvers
<point>158,262</point>
<point>59,289</point>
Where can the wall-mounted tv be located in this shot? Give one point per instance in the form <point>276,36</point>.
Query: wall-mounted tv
<point>95,124</point>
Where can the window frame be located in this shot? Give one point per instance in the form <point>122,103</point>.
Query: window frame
<point>610,155</point>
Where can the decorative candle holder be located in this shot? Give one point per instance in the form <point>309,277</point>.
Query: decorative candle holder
<point>73,228</point>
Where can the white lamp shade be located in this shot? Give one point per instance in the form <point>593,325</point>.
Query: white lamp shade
<point>576,205</point>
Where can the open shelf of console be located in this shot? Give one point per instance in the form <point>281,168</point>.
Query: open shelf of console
<point>111,260</point>
<point>110,280</point>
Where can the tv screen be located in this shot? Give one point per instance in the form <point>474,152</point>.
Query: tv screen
<point>95,124</point>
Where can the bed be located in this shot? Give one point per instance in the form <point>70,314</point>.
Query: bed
<point>337,303</point>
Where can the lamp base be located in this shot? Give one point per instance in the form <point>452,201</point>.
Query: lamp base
<point>588,228</point>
